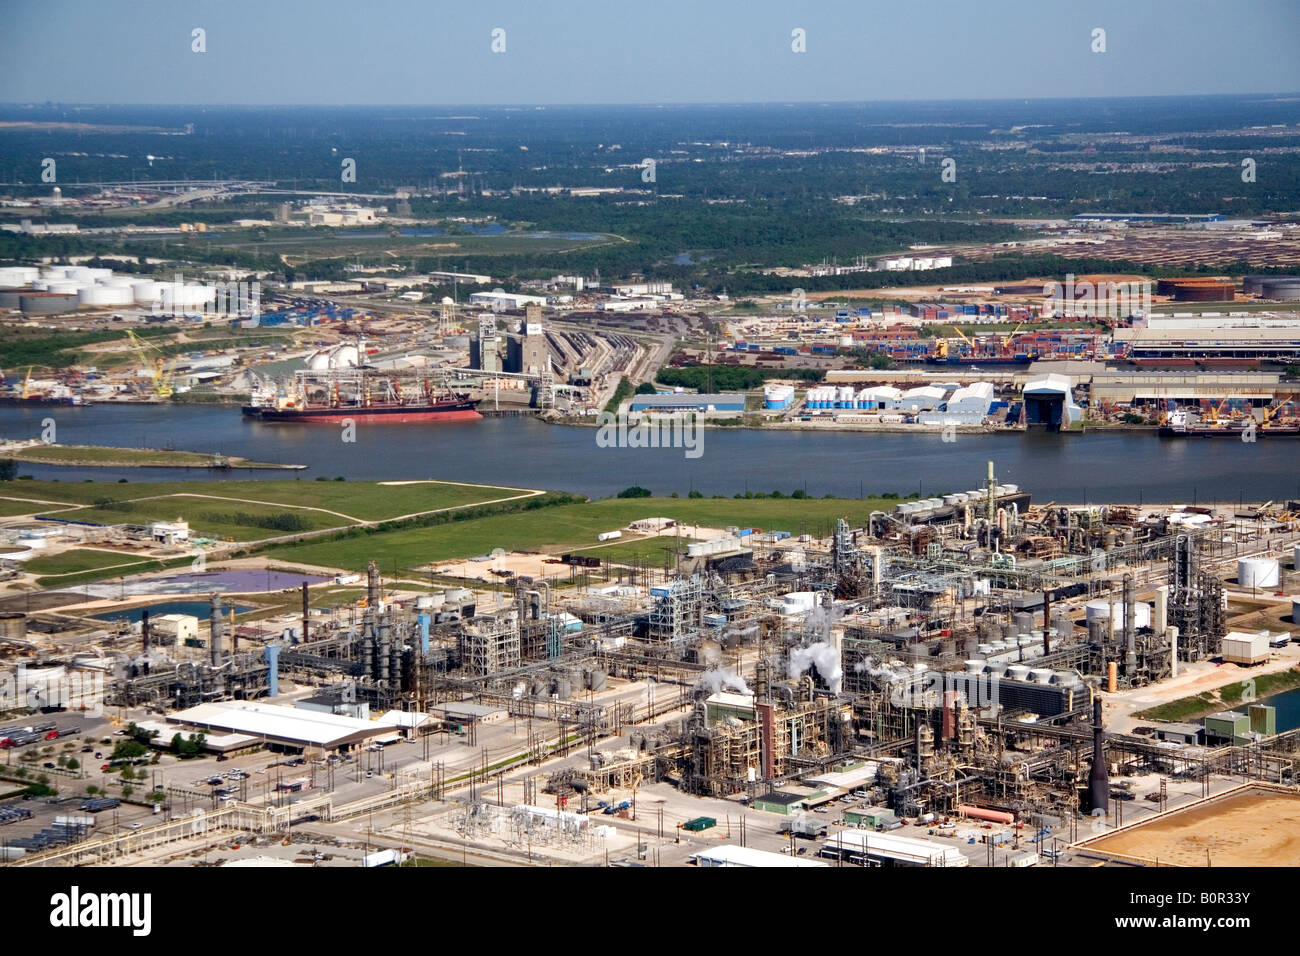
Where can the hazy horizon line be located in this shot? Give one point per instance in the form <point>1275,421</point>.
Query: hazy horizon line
<point>1283,94</point>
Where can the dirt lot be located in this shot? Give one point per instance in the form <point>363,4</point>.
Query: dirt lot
<point>1257,828</point>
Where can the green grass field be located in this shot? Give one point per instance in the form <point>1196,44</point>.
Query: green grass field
<point>567,527</point>
<point>362,500</point>
<point>211,507</point>
<point>210,517</point>
<point>84,559</point>
<point>9,507</point>
<point>136,457</point>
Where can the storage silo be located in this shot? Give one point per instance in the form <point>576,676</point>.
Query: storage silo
<point>104,296</point>
<point>18,275</point>
<point>147,291</point>
<point>1099,612</point>
<point>1257,573</point>
<point>1281,290</point>
<point>1254,285</point>
<point>47,303</point>
<point>13,625</point>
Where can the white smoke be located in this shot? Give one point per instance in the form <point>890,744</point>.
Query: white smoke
<point>869,666</point>
<point>824,657</point>
<point>817,622</point>
<point>717,680</point>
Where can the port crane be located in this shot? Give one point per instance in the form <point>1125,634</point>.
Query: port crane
<point>162,381</point>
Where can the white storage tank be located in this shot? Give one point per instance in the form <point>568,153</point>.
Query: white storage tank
<point>186,297</point>
<point>18,275</point>
<point>1100,611</point>
<point>147,291</point>
<point>1295,610</point>
<point>1257,572</point>
<point>105,295</point>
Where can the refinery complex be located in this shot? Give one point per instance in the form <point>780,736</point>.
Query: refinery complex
<point>972,680</point>
<point>470,440</point>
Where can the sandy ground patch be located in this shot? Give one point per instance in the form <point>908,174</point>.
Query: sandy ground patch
<point>1250,829</point>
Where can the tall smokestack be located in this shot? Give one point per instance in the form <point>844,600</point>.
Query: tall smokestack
<point>384,650</point>
<point>372,585</point>
<point>144,638</point>
<point>304,612</point>
<point>1130,627</point>
<point>214,630</point>
<point>1099,777</point>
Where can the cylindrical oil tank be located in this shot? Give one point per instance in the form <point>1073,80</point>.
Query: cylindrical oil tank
<point>1257,572</point>
<point>1295,610</point>
<point>1198,289</point>
<point>1100,611</point>
<point>540,687</point>
<point>1254,285</point>
<point>563,688</point>
<point>47,303</point>
<point>1022,621</point>
<point>1281,290</point>
<point>9,297</point>
<point>596,679</point>
<point>185,297</point>
<point>18,275</point>
<point>13,624</point>
<point>105,296</point>
<point>146,291</point>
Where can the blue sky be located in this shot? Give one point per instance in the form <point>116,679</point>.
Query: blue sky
<point>638,51</point>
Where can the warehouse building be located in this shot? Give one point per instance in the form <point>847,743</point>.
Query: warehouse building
<point>1049,402</point>
<point>731,855</point>
<point>280,726</point>
<point>880,849</point>
<point>705,403</point>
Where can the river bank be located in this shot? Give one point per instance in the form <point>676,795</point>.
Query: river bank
<point>105,456</point>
